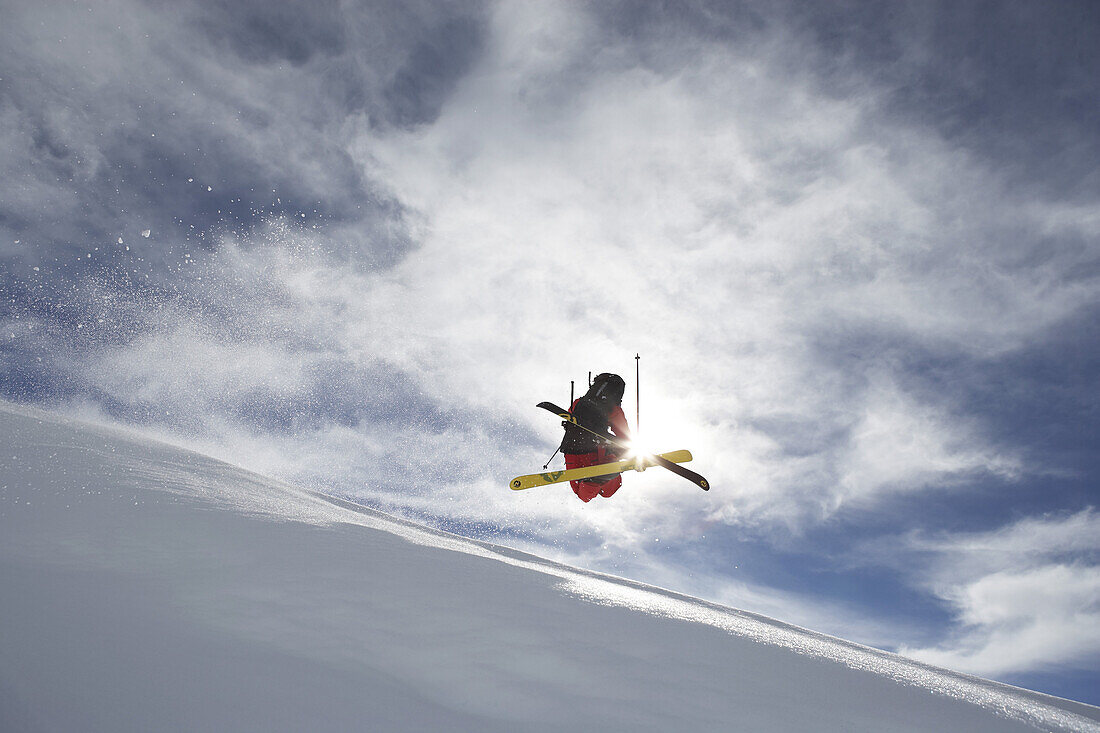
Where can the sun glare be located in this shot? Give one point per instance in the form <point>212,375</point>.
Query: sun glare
<point>637,447</point>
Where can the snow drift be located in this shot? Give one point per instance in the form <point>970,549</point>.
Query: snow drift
<point>147,588</point>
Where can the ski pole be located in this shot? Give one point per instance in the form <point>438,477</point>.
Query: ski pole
<point>637,394</point>
<point>545,465</point>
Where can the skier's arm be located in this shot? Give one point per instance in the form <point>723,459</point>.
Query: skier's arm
<point>616,419</point>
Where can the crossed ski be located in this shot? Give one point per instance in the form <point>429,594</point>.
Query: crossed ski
<point>677,469</point>
<point>589,472</point>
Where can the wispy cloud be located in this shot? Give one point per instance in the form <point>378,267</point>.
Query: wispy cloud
<point>729,232</point>
<point>1026,596</point>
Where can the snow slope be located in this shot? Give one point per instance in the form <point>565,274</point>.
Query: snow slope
<point>147,588</point>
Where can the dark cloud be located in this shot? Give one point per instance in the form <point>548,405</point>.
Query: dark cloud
<point>723,22</point>
<point>417,92</point>
<point>1014,82</point>
<point>265,32</point>
<point>248,99</point>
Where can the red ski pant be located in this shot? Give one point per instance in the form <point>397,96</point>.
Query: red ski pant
<point>588,489</point>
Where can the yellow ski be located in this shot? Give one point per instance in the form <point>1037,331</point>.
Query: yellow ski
<point>604,469</point>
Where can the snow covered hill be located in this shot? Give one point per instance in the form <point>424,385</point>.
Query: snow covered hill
<point>147,588</point>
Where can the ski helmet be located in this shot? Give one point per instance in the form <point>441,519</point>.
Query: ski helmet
<point>608,386</point>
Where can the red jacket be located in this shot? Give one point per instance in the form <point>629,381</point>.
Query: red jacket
<point>588,490</point>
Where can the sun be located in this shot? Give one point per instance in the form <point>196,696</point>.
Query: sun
<point>656,433</point>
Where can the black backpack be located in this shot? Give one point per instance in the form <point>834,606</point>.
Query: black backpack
<point>592,412</point>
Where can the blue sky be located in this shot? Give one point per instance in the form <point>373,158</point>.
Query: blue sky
<point>854,243</point>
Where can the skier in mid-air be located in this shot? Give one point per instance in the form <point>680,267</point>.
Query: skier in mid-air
<point>595,458</point>
<point>599,409</point>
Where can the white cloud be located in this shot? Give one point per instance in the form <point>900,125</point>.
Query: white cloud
<point>898,443</point>
<point>690,212</point>
<point>1022,542</point>
<point>1015,622</point>
<point>1026,596</point>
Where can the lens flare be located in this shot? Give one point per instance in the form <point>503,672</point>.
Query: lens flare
<point>637,448</point>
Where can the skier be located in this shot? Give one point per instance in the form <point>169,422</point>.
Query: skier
<point>599,409</point>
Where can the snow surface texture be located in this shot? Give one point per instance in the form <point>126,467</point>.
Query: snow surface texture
<point>147,588</point>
